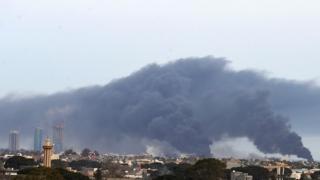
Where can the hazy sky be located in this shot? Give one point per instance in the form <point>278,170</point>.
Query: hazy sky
<point>52,45</point>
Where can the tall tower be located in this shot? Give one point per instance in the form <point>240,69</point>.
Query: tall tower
<point>47,149</point>
<point>37,139</point>
<point>58,137</point>
<point>14,141</point>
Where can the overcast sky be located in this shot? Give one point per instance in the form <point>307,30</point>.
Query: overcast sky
<point>52,45</point>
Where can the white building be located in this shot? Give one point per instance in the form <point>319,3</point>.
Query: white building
<point>240,176</point>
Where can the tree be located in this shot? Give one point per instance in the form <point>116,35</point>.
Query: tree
<point>98,174</point>
<point>113,170</point>
<point>152,166</point>
<point>41,173</point>
<point>85,152</point>
<point>51,174</point>
<point>207,169</point>
<point>16,162</point>
<point>58,164</point>
<point>67,175</point>
<point>305,177</point>
<point>167,177</point>
<point>227,174</point>
<point>84,163</point>
<point>178,170</point>
<point>316,175</point>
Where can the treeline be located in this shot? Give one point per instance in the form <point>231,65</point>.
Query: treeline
<point>206,169</point>
<point>42,173</point>
<point>213,169</point>
<point>19,162</point>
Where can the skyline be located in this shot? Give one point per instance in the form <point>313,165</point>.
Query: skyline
<point>161,89</point>
<point>48,50</point>
<point>239,148</point>
<point>177,99</point>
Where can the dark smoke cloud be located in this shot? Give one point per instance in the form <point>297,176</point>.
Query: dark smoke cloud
<point>185,104</point>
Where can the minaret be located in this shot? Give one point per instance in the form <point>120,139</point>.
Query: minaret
<point>47,149</point>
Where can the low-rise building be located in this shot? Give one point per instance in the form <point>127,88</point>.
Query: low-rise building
<point>240,176</point>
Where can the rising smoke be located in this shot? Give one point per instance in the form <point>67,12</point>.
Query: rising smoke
<point>243,148</point>
<point>185,105</point>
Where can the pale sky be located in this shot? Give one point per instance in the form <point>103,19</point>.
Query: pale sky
<point>52,45</point>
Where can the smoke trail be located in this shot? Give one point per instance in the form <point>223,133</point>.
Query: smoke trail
<point>186,104</point>
<point>243,148</point>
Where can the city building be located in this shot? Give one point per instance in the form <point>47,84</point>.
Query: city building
<point>233,163</point>
<point>14,141</point>
<point>88,171</point>
<point>38,137</point>
<point>240,176</point>
<point>58,137</point>
<point>47,149</point>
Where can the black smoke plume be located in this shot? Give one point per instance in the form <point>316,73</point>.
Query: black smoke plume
<point>186,104</point>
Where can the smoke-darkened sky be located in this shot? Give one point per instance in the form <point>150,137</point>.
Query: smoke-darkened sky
<point>77,43</point>
<point>53,46</point>
<point>181,107</point>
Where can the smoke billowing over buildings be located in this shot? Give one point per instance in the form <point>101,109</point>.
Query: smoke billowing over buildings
<point>182,106</point>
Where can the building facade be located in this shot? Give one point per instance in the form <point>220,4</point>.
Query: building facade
<point>37,139</point>
<point>240,176</point>
<point>58,138</point>
<point>14,141</point>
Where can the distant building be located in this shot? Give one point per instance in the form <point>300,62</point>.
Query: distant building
<point>88,171</point>
<point>38,137</point>
<point>295,175</point>
<point>14,141</point>
<point>233,163</point>
<point>47,149</point>
<point>240,176</point>
<point>58,137</point>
